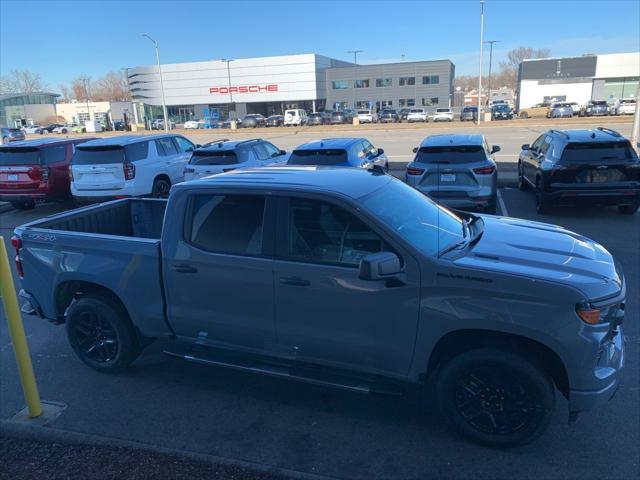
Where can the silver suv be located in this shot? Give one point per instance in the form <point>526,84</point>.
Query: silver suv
<point>456,170</point>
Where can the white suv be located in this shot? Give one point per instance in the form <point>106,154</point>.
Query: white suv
<point>128,166</point>
<point>417,115</point>
<point>367,116</point>
<point>295,117</point>
<point>624,106</point>
<point>443,115</point>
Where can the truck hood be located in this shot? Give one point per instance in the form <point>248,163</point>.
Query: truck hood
<point>544,251</point>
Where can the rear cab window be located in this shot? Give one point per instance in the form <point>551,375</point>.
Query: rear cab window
<point>217,157</point>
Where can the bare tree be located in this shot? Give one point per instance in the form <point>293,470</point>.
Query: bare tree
<point>80,88</point>
<point>111,87</point>
<point>65,93</point>
<point>22,81</point>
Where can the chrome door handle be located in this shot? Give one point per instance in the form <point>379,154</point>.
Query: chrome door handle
<point>295,281</point>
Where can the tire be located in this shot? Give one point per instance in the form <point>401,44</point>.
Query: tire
<point>476,388</point>
<point>161,187</point>
<point>101,334</point>
<point>629,209</point>
<point>24,205</point>
<point>524,115</point>
<point>522,183</point>
<point>63,131</point>
<point>542,202</point>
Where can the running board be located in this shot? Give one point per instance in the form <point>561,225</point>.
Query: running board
<point>304,374</point>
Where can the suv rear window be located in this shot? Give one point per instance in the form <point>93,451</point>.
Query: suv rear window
<point>215,157</point>
<point>416,110</point>
<point>318,157</point>
<point>19,156</point>
<point>451,154</point>
<point>110,154</point>
<point>598,152</point>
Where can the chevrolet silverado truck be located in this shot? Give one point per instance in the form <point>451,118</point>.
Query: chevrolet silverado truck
<point>341,277</point>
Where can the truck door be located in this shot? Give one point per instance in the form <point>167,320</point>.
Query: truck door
<point>219,281</point>
<point>325,312</point>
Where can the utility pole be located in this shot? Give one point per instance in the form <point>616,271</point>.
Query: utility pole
<point>490,42</point>
<point>85,81</point>
<point>229,85</point>
<point>164,103</point>
<point>480,75</point>
<point>355,55</point>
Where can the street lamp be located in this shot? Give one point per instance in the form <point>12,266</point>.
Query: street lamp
<point>164,103</point>
<point>355,55</point>
<point>85,82</point>
<point>480,76</point>
<point>490,42</point>
<point>228,61</point>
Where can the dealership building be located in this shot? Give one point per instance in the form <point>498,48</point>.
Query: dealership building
<point>221,89</point>
<point>578,79</point>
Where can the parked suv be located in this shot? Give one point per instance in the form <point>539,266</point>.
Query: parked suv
<point>469,114</point>
<point>253,120</point>
<point>581,167</point>
<point>317,118</point>
<point>417,115</point>
<point>560,110</point>
<point>36,170</point>
<point>295,117</point>
<point>389,115</point>
<point>224,156</point>
<point>443,115</point>
<point>128,166</point>
<point>344,116</point>
<point>341,152</point>
<point>501,111</point>
<point>595,108</point>
<point>456,170</point>
<point>624,106</point>
<point>11,135</point>
<point>367,116</point>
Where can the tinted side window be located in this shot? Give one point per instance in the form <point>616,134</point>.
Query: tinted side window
<point>271,149</point>
<point>228,223</point>
<point>137,151</point>
<point>165,147</point>
<point>538,143</point>
<point>320,232</point>
<point>53,154</point>
<point>184,145</point>
<point>545,145</point>
<point>260,151</point>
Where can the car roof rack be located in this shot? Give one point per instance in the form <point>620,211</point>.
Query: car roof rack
<point>609,131</point>
<point>249,141</point>
<point>215,141</point>
<point>560,132</point>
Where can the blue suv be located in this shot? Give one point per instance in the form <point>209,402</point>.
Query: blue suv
<point>341,152</point>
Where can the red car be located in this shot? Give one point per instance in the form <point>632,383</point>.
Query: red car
<point>36,170</point>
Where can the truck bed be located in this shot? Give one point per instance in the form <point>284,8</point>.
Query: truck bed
<point>131,217</point>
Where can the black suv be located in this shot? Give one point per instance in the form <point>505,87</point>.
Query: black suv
<point>581,167</point>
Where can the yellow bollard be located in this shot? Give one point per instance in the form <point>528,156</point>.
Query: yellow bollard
<point>16,330</point>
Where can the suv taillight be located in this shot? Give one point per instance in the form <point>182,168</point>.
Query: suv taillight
<point>70,173</point>
<point>484,170</point>
<point>44,174</point>
<point>129,170</point>
<point>415,171</point>
<point>16,242</point>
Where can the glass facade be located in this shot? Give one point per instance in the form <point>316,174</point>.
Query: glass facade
<point>431,79</point>
<point>430,102</point>
<point>615,88</point>
<point>361,84</point>
<point>340,84</point>
<point>404,81</point>
<point>384,82</point>
<point>12,111</point>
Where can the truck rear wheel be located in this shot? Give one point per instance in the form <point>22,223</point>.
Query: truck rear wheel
<point>101,335</point>
<point>495,398</point>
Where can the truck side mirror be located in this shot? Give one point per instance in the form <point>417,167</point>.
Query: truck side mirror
<point>380,266</point>
<point>495,148</point>
<point>526,146</point>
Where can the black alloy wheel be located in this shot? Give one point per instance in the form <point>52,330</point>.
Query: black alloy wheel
<point>161,188</point>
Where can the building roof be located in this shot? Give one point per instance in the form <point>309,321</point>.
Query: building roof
<point>351,182</point>
<point>329,143</point>
<point>446,139</point>
<point>5,96</point>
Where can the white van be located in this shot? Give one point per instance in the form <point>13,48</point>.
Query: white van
<point>128,166</point>
<point>295,117</point>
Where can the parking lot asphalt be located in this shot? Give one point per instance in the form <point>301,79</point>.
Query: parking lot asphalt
<point>168,403</point>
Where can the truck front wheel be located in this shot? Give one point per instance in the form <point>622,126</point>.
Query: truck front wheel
<point>100,333</point>
<point>495,397</point>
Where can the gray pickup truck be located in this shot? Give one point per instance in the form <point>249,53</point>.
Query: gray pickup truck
<point>342,277</point>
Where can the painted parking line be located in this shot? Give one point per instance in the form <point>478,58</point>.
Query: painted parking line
<point>503,207</point>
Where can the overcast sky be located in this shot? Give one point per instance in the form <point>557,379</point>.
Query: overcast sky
<point>61,40</point>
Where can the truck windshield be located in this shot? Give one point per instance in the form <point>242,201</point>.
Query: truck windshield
<point>415,217</point>
<point>451,154</point>
<point>318,157</point>
<point>98,155</point>
<point>216,157</point>
<point>19,156</point>
<point>598,152</point>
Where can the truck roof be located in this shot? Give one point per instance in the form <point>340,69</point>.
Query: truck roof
<point>351,182</point>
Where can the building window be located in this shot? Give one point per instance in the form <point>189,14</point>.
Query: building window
<point>363,104</point>
<point>339,106</point>
<point>407,102</point>
<point>361,84</point>
<point>429,102</point>
<point>340,84</point>
<point>383,82</point>
<point>431,79</point>
<point>407,81</point>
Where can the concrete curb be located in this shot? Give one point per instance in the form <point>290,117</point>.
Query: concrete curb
<point>50,434</point>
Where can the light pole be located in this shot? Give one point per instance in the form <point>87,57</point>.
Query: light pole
<point>355,55</point>
<point>480,75</point>
<point>229,85</point>
<point>85,81</point>
<point>164,103</point>
<point>490,42</point>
